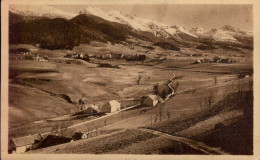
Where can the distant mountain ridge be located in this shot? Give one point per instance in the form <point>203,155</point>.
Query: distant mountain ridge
<point>95,24</point>
<point>40,11</point>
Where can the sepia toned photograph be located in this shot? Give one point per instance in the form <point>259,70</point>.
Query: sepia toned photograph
<point>135,79</point>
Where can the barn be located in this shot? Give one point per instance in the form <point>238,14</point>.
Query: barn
<point>111,107</point>
<point>52,140</point>
<point>23,144</point>
<point>129,102</point>
<point>150,100</point>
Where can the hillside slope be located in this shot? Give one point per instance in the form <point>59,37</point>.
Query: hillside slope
<point>81,29</point>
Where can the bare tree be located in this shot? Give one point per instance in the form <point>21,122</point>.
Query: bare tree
<point>55,129</point>
<point>139,79</point>
<point>168,114</point>
<point>240,89</point>
<point>164,94</point>
<point>176,85</point>
<point>156,89</point>
<point>122,116</point>
<point>215,80</point>
<point>201,103</point>
<point>151,119</point>
<point>64,128</point>
<point>210,99</point>
<point>156,115</point>
<point>60,128</point>
<point>96,129</point>
<point>161,111</point>
<point>193,85</point>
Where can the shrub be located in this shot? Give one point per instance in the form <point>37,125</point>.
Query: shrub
<point>167,45</point>
<point>19,50</point>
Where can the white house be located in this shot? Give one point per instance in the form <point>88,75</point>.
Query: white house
<point>150,100</point>
<point>111,107</point>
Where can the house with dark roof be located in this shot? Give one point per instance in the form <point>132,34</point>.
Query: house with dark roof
<point>79,135</point>
<point>93,108</point>
<point>52,140</point>
<point>23,144</point>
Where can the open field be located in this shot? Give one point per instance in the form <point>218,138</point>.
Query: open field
<point>44,83</point>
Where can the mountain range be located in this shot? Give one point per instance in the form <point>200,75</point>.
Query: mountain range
<point>94,24</point>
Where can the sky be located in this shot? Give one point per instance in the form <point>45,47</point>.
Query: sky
<point>207,16</point>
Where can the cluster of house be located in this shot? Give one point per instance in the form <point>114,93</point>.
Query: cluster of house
<point>32,142</point>
<point>39,58</point>
<point>78,56</point>
<point>30,56</point>
<point>107,65</point>
<point>136,57</point>
<point>109,107</point>
<point>215,60</point>
<point>114,106</point>
<point>37,141</point>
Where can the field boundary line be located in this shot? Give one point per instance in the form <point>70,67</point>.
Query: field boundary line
<point>192,143</point>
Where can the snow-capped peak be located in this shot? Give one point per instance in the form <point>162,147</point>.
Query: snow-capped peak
<point>225,33</point>
<point>96,12</point>
<point>142,24</point>
<point>40,11</point>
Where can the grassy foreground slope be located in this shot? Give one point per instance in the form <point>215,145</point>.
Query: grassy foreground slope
<point>227,125</point>
<point>131,141</point>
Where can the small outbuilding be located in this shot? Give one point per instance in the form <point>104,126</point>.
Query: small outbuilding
<point>150,100</point>
<point>198,61</point>
<point>106,56</point>
<point>79,135</point>
<point>111,107</point>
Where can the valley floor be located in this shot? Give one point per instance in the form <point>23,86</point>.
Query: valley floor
<point>43,92</point>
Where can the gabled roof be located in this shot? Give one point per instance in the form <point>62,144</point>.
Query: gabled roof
<point>52,140</point>
<point>95,107</point>
<point>77,135</point>
<point>153,97</point>
<point>113,102</point>
<point>22,141</point>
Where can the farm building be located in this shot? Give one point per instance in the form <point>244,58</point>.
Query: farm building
<point>91,108</point>
<point>106,56</point>
<point>198,61</point>
<point>118,56</point>
<point>33,49</point>
<point>150,100</point>
<point>111,107</point>
<point>38,58</point>
<point>129,102</point>
<point>79,135</point>
<point>23,144</point>
<point>80,56</point>
<point>52,140</point>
